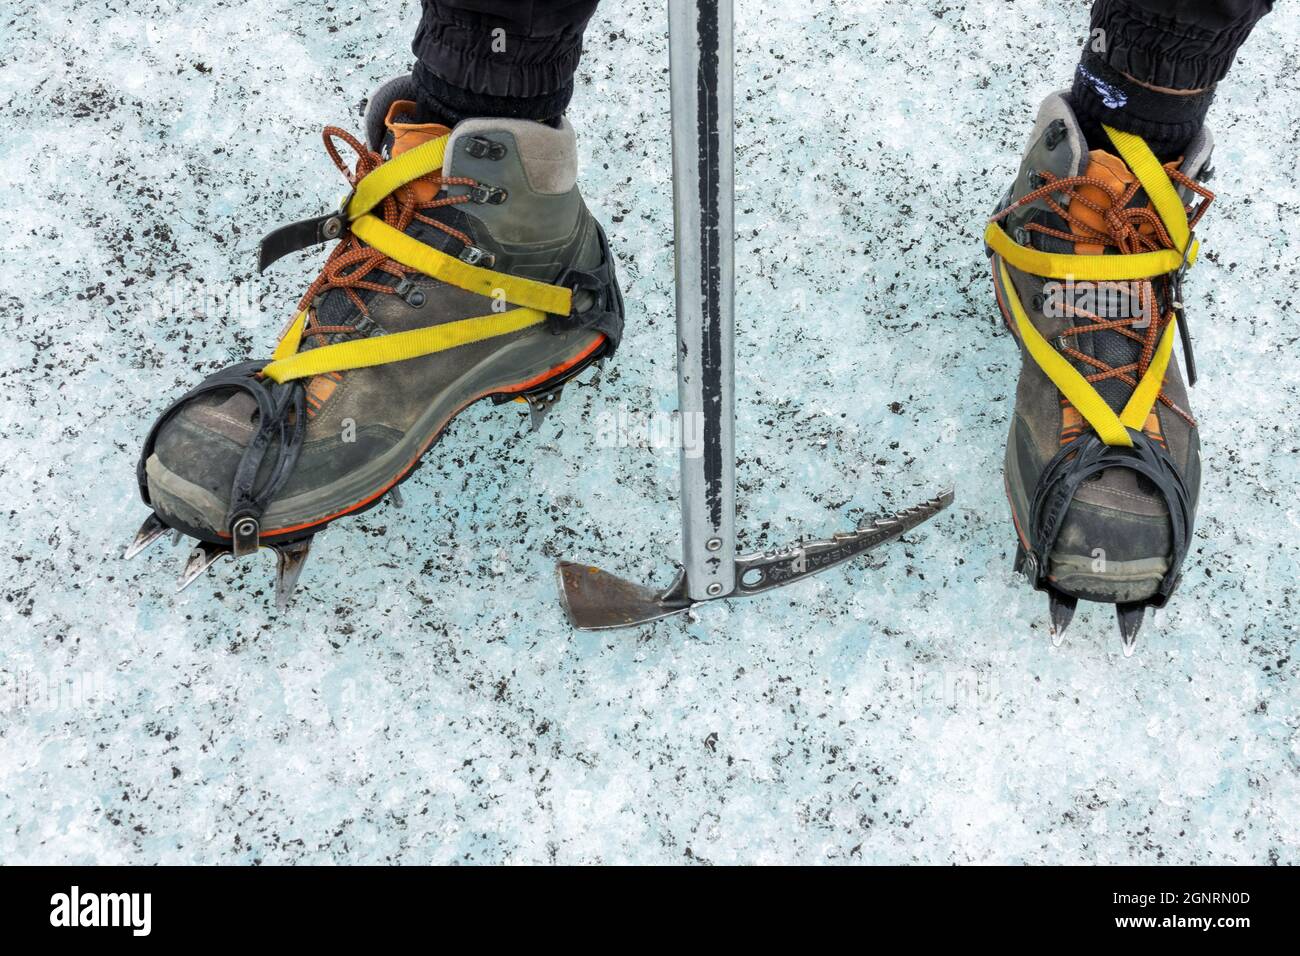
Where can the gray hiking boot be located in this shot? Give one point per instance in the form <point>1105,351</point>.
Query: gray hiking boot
<point>467,267</point>
<point>1103,461</point>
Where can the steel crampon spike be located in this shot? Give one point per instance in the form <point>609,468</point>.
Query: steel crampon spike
<point>1061,610</point>
<point>1021,563</point>
<point>289,560</point>
<point>1130,621</point>
<point>198,561</point>
<point>540,405</point>
<point>149,532</point>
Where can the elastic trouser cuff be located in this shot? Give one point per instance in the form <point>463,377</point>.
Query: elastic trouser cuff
<point>498,59</point>
<point>448,103</point>
<point>1175,45</point>
<point>1102,95</point>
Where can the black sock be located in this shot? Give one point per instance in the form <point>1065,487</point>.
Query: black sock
<point>447,104</point>
<point>1167,121</point>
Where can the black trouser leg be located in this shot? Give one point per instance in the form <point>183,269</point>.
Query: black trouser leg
<point>1178,45</point>
<point>511,58</point>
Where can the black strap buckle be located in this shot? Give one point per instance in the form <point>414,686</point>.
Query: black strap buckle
<point>604,313</point>
<point>303,234</point>
<point>579,280</point>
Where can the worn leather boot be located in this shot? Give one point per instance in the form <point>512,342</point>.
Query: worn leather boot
<point>465,266</point>
<point>1089,249</point>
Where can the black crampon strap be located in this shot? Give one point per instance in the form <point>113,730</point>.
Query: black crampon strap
<point>281,415</point>
<point>1086,456</point>
<point>299,235</point>
<point>605,313</point>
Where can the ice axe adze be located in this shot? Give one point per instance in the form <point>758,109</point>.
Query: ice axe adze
<point>700,57</point>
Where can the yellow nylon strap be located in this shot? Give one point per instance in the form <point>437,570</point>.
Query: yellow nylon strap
<point>1144,396</point>
<point>1077,389</point>
<point>1140,265</point>
<point>1160,190</point>
<point>1054,265</point>
<point>1111,428</point>
<point>396,173</point>
<point>411,165</point>
<point>383,349</point>
<point>414,254</point>
<point>290,340</point>
<point>536,298</point>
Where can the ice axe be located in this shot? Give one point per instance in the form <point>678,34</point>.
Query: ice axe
<point>701,80</point>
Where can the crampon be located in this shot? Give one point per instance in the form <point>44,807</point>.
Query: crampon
<point>466,266</point>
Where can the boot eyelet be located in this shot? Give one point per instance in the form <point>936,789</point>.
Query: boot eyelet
<point>410,293</point>
<point>478,257</point>
<point>480,147</point>
<point>488,195</point>
<point>1055,134</point>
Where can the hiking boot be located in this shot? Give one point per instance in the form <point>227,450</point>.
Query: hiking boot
<point>1089,248</point>
<point>466,266</point>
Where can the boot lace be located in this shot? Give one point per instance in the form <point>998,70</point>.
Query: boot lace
<point>1127,229</point>
<point>351,261</point>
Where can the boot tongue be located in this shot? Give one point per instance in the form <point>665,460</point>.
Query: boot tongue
<point>406,135</point>
<point>1111,347</point>
<point>1112,171</point>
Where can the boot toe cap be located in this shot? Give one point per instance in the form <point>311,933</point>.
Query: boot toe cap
<point>194,459</point>
<point>1113,553</point>
<point>198,451</point>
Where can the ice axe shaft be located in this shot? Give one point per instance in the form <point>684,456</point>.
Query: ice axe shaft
<point>700,76</point>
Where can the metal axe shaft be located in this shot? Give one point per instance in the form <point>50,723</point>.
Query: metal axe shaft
<point>700,74</point>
